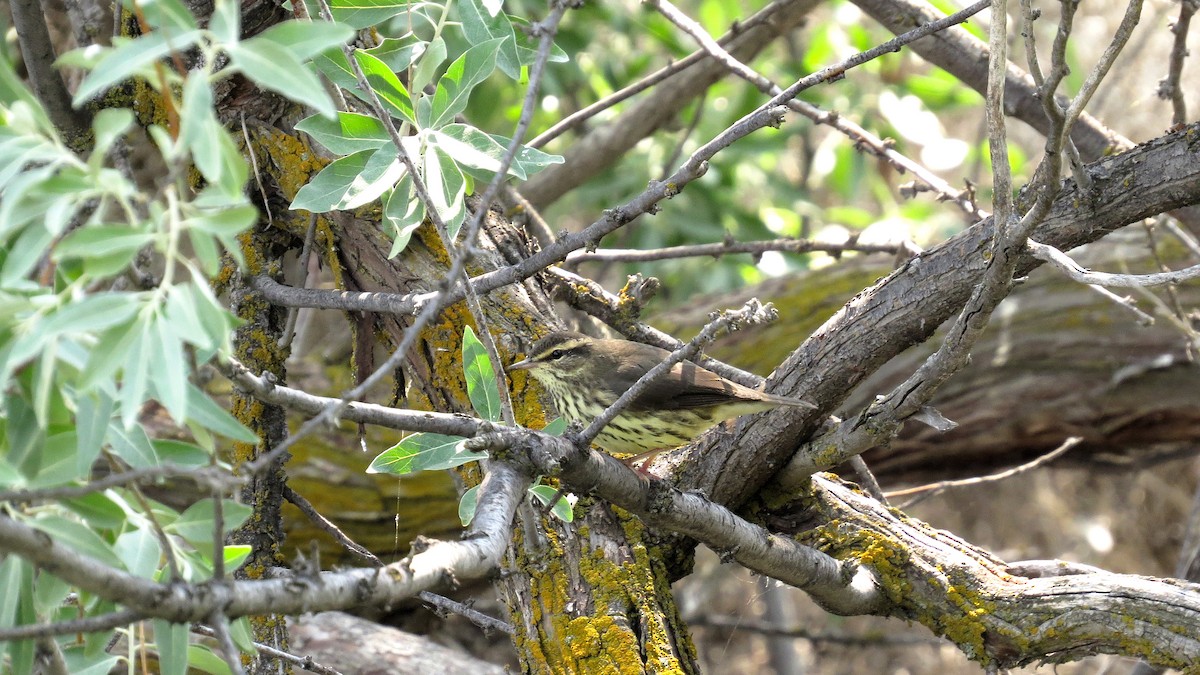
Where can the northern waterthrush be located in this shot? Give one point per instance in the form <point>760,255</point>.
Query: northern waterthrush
<point>585,375</point>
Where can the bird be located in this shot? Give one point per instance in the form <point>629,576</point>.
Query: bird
<point>585,375</point>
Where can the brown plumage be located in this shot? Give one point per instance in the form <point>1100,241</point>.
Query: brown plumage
<point>585,375</point>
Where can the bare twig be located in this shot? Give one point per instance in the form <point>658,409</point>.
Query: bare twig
<point>366,413</point>
<point>753,312</point>
<point>1124,302</point>
<point>219,624</point>
<point>762,18</point>
<point>208,477</point>
<point>719,249</point>
<point>1170,88</point>
<point>330,528</point>
<point>606,306</point>
<point>867,479</point>
<point>1075,271</point>
<point>90,624</point>
<point>834,72</point>
<point>931,489</point>
<point>306,663</point>
<point>472,557</point>
<point>289,326</point>
<point>444,604</point>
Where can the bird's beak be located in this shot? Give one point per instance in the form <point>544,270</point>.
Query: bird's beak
<point>525,364</point>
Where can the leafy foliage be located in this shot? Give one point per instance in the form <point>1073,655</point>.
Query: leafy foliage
<point>446,154</point>
<point>431,452</point>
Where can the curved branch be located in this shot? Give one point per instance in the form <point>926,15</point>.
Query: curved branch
<point>994,615</point>
<point>473,557</point>
<point>906,307</point>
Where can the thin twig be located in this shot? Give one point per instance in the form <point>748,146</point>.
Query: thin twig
<point>305,663</point>
<point>219,624</point>
<point>932,489</point>
<point>1126,303</point>
<point>208,477</point>
<point>91,624</point>
<point>752,312</point>
<point>1075,271</point>
<point>330,528</point>
<point>289,326</point>
<point>1133,12</point>
<point>1170,88</point>
<point>833,72</point>
<point>718,249</point>
<point>606,307</point>
<point>867,479</point>
<point>763,17</point>
<point>484,621</point>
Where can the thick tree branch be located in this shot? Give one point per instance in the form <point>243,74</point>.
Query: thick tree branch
<point>473,557</point>
<point>907,306</point>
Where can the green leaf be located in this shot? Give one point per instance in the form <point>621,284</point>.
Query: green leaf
<point>327,189</point>
<point>180,453</point>
<point>16,608</point>
<point>380,174</point>
<point>529,161</point>
<point>447,188</point>
<point>24,435</point>
<point>170,376</point>
<point>332,64</point>
<point>564,508</point>
<point>58,461</point>
<point>197,523</point>
<point>25,253</point>
<point>77,537</point>
<point>466,506</point>
<point>481,24</point>
<point>455,86</point>
<point>108,125</point>
<point>360,14</point>
<point>132,445</point>
<point>306,39</point>
<point>140,551</point>
<point>101,240</point>
<point>404,213</point>
<point>477,153</point>
<point>556,427</point>
<point>99,511</point>
<point>236,555</point>
<point>423,452</point>
<point>12,571</point>
<point>387,86</point>
<point>130,57</point>
<point>348,134</point>
<point>194,121</point>
<point>274,68</point>
<point>399,53</point>
<point>172,642</point>
<point>226,21</point>
<point>205,412</point>
<point>169,15</point>
<point>135,372</point>
<point>428,64</point>
<point>93,412</point>
<point>224,222</point>
<point>481,377</point>
<point>202,659</point>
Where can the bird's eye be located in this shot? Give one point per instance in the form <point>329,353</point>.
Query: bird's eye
<point>556,354</point>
